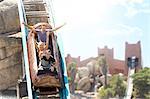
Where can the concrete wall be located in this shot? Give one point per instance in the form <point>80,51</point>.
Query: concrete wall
<point>10,61</point>
<point>9,16</point>
<point>9,19</point>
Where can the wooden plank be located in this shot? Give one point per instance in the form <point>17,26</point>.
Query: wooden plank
<point>34,3</point>
<point>36,12</point>
<point>39,16</point>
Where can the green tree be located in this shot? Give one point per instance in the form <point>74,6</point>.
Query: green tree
<point>115,87</point>
<point>104,68</point>
<point>141,82</point>
<point>105,93</point>
<point>117,83</point>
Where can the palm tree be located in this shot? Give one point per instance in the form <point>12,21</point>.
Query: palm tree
<point>72,73</point>
<point>104,67</point>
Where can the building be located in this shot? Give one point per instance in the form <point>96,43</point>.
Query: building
<point>120,66</point>
<point>133,50</point>
<point>115,65</point>
<point>70,59</point>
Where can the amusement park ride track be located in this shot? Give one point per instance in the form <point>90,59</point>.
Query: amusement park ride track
<point>32,12</point>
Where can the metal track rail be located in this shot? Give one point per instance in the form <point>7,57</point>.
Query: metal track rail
<point>24,43</point>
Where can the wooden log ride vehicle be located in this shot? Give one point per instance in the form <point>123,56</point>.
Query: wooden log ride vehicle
<point>45,77</point>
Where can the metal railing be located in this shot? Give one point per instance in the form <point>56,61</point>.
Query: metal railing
<point>24,32</point>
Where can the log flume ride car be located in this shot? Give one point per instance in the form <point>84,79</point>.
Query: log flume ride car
<point>49,75</point>
<point>44,63</point>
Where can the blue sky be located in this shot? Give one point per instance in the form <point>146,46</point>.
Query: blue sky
<point>96,23</point>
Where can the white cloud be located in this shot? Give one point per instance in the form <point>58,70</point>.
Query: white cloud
<point>119,30</point>
<point>129,30</point>
<point>125,2</point>
<point>131,8</point>
<point>131,11</point>
<point>136,1</point>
